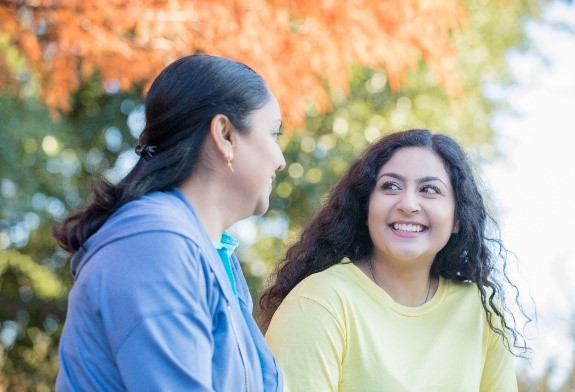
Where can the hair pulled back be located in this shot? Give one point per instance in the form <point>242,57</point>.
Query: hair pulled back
<point>339,230</point>
<point>179,107</point>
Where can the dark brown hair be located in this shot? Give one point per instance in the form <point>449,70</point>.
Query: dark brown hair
<point>180,105</point>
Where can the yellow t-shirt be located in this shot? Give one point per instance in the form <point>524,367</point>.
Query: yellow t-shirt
<point>339,331</point>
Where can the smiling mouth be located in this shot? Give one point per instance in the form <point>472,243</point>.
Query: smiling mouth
<point>409,228</point>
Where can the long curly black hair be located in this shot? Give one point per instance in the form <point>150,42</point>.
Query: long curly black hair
<point>474,254</point>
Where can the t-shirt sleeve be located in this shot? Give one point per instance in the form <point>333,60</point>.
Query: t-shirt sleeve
<point>308,343</point>
<point>499,370</point>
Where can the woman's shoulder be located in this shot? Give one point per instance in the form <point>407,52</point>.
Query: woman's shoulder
<point>157,204</point>
<point>161,214</point>
<point>156,211</point>
<point>461,292</point>
<point>459,286</point>
<point>328,284</point>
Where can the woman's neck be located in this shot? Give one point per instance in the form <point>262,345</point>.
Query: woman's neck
<point>407,285</point>
<point>208,202</point>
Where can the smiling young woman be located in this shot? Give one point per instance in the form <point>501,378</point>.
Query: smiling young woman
<point>392,286</point>
<point>411,216</point>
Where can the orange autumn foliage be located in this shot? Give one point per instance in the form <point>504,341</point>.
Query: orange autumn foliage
<point>304,49</point>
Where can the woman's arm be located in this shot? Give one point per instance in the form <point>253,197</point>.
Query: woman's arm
<point>308,344</point>
<point>499,373</point>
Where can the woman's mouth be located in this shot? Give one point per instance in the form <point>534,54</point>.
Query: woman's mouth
<point>408,227</point>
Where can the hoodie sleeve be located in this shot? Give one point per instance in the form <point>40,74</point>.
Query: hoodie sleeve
<point>156,311</point>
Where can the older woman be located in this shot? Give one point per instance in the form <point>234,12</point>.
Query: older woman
<point>159,301</point>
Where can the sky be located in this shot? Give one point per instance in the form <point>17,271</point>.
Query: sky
<point>534,184</point>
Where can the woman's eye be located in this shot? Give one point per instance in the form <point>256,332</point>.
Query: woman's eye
<point>276,135</point>
<point>390,186</point>
<point>431,189</point>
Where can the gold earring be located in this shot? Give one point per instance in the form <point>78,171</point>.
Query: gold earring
<point>230,158</point>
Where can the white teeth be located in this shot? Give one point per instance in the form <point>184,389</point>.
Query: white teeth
<point>408,227</point>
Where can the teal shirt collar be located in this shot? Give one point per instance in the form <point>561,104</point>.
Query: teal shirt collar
<point>228,243</point>
<point>226,247</point>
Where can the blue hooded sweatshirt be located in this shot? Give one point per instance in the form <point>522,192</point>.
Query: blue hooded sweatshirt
<point>152,309</point>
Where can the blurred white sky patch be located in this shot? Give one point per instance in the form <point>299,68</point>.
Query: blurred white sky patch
<point>534,185</point>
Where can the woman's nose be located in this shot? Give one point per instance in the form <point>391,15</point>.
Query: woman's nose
<point>408,203</point>
<point>282,162</point>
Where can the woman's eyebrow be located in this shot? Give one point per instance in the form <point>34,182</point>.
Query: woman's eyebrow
<point>419,180</point>
<point>393,175</point>
<point>429,179</point>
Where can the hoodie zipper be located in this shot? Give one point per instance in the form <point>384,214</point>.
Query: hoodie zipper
<point>242,354</point>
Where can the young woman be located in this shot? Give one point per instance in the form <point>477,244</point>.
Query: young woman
<point>159,301</point>
<point>394,285</point>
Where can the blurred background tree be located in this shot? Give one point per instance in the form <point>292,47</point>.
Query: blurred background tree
<point>72,80</point>
<point>296,45</point>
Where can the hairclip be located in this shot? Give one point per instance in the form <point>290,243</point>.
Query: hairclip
<point>145,151</point>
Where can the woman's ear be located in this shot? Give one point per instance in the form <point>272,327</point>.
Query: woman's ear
<point>455,229</point>
<point>221,132</point>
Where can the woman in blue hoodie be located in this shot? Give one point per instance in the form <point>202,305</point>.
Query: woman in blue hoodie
<point>159,302</point>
